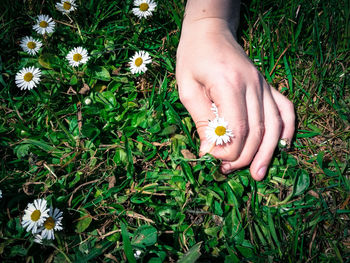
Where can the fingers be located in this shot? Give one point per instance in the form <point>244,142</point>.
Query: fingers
<point>231,104</point>
<point>279,123</point>
<point>287,113</point>
<point>273,128</point>
<point>197,103</point>
<point>256,131</point>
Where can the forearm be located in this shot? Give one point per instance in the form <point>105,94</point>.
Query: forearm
<point>226,10</point>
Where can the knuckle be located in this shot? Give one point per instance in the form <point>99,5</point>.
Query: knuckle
<point>243,161</point>
<point>233,79</point>
<point>278,123</point>
<point>290,109</point>
<point>260,130</point>
<point>186,95</point>
<point>242,129</point>
<point>255,76</point>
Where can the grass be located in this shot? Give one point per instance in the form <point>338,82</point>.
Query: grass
<point>124,169</point>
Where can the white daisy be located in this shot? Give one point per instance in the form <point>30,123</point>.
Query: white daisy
<point>52,223</point>
<point>77,56</point>
<point>139,61</point>
<point>218,131</point>
<point>35,215</point>
<point>66,6</point>
<point>144,8</point>
<point>44,24</point>
<point>30,45</point>
<point>0,194</point>
<point>28,78</point>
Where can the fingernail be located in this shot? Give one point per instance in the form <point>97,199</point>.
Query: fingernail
<point>261,173</point>
<point>225,167</point>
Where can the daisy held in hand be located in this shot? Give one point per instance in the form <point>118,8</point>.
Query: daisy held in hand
<point>44,24</point>
<point>35,215</point>
<point>30,45</point>
<point>77,56</point>
<point>144,8</point>
<point>218,131</point>
<point>66,6</point>
<point>139,61</point>
<point>28,78</point>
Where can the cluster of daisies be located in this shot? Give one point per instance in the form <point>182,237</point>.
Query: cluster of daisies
<point>28,77</point>
<point>41,220</point>
<point>217,131</point>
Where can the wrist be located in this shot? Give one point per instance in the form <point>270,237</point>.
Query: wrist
<point>226,11</point>
<point>207,26</point>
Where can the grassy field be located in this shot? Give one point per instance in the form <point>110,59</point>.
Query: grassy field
<point>124,169</point>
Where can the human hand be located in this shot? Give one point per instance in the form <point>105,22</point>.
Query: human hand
<point>212,67</point>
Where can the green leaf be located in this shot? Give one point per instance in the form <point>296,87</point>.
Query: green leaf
<point>120,156</point>
<point>73,80</point>
<point>100,73</point>
<point>302,183</point>
<point>83,224</point>
<point>48,60</point>
<point>144,236</point>
<point>18,251</point>
<point>127,245</point>
<point>90,131</point>
<point>168,130</point>
<point>22,150</point>
<point>108,99</point>
<point>273,230</point>
<point>192,255</point>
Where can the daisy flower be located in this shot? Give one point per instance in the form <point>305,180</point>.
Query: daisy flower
<point>28,78</point>
<point>30,45</point>
<point>66,6</point>
<point>44,24</point>
<point>52,223</point>
<point>35,215</point>
<point>77,56</point>
<point>0,194</point>
<point>218,131</point>
<point>139,61</point>
<point>144,8</point>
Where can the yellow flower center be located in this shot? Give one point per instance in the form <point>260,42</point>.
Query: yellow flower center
<point>67,5</point>
<point>49,223</point>
<point>28,77</point>
<point>31,45</point>
<point>36,214</point>
<point>43,24</point>
<point>144,7</point>
<point>77,57</point>
<point>220,130</point>
<point>138,62</point>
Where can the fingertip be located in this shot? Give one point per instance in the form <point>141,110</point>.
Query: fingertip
<point>259,174</point>
<point>205,147</point>
<point>225,168</point>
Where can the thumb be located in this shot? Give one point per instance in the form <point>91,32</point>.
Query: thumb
<point>197,103</point>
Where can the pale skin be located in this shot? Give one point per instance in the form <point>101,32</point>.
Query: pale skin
<point>212,67</point>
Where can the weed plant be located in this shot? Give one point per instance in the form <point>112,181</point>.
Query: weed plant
<point>118,153</point>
